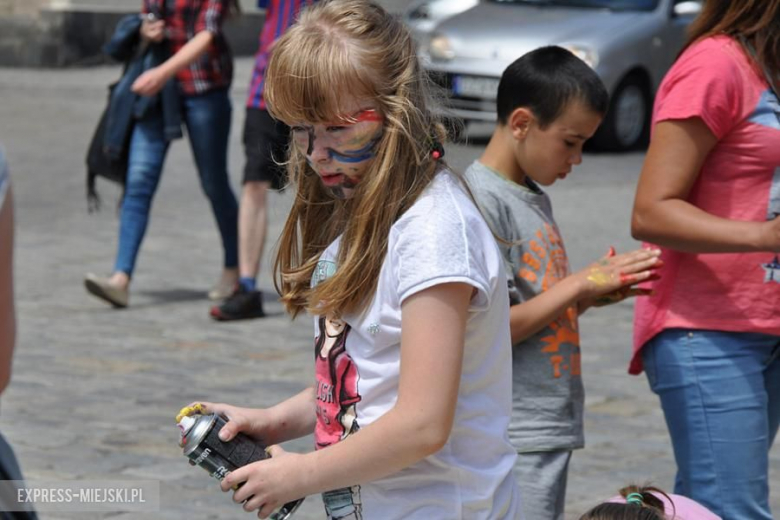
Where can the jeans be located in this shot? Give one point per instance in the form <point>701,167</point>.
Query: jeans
<point>207,118</point>
<point>720,393</point>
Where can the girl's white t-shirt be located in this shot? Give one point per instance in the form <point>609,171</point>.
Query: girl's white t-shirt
<point>442,238</point>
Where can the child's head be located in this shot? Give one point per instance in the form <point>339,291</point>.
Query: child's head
<point>640,504</point>
<point>347,80</point>
<point>550,102</point>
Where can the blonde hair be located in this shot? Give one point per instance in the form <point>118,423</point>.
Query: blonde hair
<point>337,49</point>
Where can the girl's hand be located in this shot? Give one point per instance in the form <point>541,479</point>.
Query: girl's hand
<point>150,82</point>
<point>268,484</point>
<point>238,419</point>
<point>610,279</point>
<point>153,30</point>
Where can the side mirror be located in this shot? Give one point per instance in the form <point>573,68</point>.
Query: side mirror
<point>687,8</point>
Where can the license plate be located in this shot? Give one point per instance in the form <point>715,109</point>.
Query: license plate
<point>475,86</point>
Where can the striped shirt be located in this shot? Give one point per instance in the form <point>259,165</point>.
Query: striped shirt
<point>213,69</point>
<point>279,16</point>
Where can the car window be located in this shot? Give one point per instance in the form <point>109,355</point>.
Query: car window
<point>617,5</point>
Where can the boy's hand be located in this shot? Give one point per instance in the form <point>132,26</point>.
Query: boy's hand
<point>610,279</point>
<point>268,484</point>
<point>613,297</point>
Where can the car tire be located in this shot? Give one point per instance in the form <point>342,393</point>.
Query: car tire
<point>627,123</point>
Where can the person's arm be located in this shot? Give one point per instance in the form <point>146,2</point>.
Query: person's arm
<point>661,213</point>
<point>433,324</point>
<point>288,420</point>
<point>208,24</point>
<point>152,81</point>
<point>613,274</point>
<point>7,308</point>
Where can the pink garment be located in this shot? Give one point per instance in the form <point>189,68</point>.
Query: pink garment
<point>337,385</point>
<point>684,508</point>
<point>740,179</point>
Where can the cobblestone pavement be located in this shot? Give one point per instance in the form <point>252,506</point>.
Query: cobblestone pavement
<point>95,390</point>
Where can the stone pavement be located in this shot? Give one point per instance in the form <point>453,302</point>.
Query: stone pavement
<point>95,390</point>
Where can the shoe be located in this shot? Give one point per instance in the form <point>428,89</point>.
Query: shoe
<point>222,289</point>
<point>241,305</point>
<point>106,291</point>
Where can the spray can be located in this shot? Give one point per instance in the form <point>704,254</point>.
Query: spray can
<point>201,444</point>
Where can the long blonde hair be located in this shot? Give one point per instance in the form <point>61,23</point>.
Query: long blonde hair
<point>337,49</point>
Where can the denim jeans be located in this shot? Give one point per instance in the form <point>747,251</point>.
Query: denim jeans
<point>720,393</point>
<point>207,118</point>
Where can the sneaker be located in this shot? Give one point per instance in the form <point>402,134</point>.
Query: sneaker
<point>222,289</point>
<point>241,305</point>
<point>106,291</point>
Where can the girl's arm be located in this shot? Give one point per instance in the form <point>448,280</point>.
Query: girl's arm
<point>663,216</point>
<point>433,324</point>
<point>152,81</point>
<point>283,422</point>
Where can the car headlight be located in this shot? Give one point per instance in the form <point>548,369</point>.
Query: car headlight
<point>440,48</point>
<point>586,54</point>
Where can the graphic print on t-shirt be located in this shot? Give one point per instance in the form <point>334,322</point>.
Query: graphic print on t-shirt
<point>337,383</point>
<point>336,398</point>
<point>767,113</point>
<point>337,395</point>
<point>772,269</point>
<point>544,266</point>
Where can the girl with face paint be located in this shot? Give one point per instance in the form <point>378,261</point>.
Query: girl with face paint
<point>341,152</point>
<point>406,285</point>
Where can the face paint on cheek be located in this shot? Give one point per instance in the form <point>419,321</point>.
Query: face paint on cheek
<point>358,155</point>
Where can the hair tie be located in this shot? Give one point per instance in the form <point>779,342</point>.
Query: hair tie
<point>635,498</point>
<point>437,150</point>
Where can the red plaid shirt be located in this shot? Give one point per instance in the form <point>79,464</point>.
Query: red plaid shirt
<point>184,19</point>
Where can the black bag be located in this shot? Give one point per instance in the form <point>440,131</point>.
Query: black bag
<point>99,164</point>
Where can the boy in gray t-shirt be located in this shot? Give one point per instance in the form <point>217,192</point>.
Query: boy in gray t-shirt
<point>549,103</point>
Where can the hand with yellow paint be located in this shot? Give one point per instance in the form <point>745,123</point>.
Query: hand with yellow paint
<point>614,278</point>
<point>258,423</point>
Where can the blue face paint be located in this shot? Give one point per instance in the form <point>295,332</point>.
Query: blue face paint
<point>355,156</point>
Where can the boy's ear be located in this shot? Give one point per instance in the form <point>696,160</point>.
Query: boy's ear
<point>520,122</point>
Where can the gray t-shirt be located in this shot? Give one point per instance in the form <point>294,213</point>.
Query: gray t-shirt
<point>547,391</point>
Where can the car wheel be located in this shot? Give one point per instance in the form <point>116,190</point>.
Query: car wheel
<point>627,123</point>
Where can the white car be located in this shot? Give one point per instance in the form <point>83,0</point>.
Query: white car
<point>423,15</point>
<point>629,43</point>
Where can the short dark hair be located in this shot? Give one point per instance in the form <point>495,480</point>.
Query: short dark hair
<point>544,81</point>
